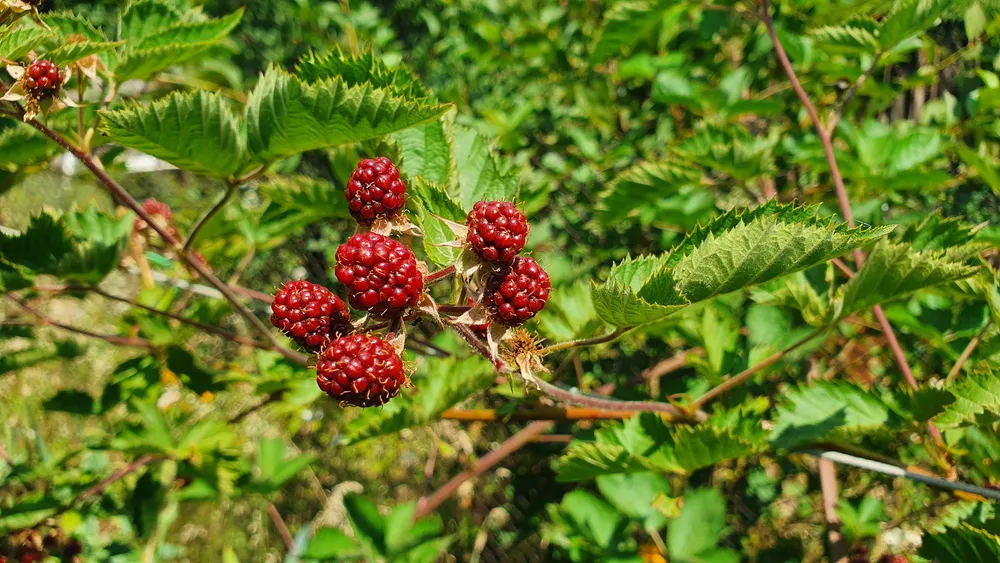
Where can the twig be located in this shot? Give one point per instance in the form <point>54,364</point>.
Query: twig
<point>109,338</point>
<point>598,403</point>
<point>119,193</point>
<point>728,384</point>
<point>536,413</point>
<point>967,353</point>
<point>585,341</point>
<point>828,484</point>
<point>279,523</point>
<point>204,219</point>
<point>844,268</point>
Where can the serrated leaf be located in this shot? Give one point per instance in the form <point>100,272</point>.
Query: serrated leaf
<point>426,151</point>
<point>636,494</point>
<point>314,197</point>
<point>357,70</point>
<point>16,42</point>
<point>975,394</point>
<point>72,52</point>
<point>481,176</point>
<point>331,543</point>
<point>286,116</point>
<point>368,524</point>
<point>893,271</point>
<point>852,39</point>
<point>146,17</point>
<point>432,201</point>
<point>705,445</point>
<point>649,183</point>
<point>176,44</point>
<point>735,250</point>
<point>963,543</point>
<point>583,461</point>
<point>733,151</point>
<point>808,413</point>
<point>909,19</point>
<point>936,232</point>
<point>40,246</point>
<point>194,131</point>
<point>67,23</point>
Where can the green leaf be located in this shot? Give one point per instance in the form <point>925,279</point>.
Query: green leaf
<point>809,413</point>
<point>737,249</point>
<point>583,461</point>
<point>893,271</point>
<point>975,394</point>
<point>480,174</point>
<point>703,446</point>
<point>22,145</point>
<point>909,19</point>
<point>595,519</point>
<point>146,17</point>
<point>99,241</point>
<point>195,131</point>
<point>434,201</point>
<point>358,70</point>
<point>368,524</point>
<point>626,24</point>
<point>648,183</point>
<point>72,52</point>
<point>427,150</point>
<point>852,39</point>
<point>987,170</point>
<point>286,116</point>
<point>635,494</point>
<point>698,528</point>
<point>42,245</point>
<point>67,23</point>
<point>964,543</point>
<point>331,543</point>
<point>172,45</point>
<point>16,42</point>
<point>936,233</point>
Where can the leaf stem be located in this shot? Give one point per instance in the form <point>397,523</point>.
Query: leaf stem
<point>585,341</point>
<point>599,403</point>
<point>739,378</point>
<point>536,413</point>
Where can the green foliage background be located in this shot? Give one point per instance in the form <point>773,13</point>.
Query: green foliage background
<point>644,140</point>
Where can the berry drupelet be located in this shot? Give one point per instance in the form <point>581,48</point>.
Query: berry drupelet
<point>361,370</point>
<point>42,78</point>
<point>517,294</point>
<point>375,190</point>
<point>497,230</point>
<point>381,273</point>
<point>309,314</point>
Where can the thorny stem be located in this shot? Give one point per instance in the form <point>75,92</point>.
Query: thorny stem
<point>967,353</point>
<point>453,309</point>
<point>826,139</point>
<point>728,384</point>
<point>116,190</point>
<point>109,338</point>
<point>585,341</point>
<point>584,400</point>
<point>434,277</point>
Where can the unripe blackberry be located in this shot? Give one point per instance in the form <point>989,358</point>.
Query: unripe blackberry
<point>518,293</point>
<point>42,78</point>
<point>497,230</point>
<point>160,212</point>
<point>375,190</point>
<point>309,314</point>
<point>381,273</point>
<point>361,370</point>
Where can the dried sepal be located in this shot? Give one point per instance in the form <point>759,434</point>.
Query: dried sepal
<point>495,334</point>
<point>398,340</point>
<point>522,349</point>
<point>477,315</point>
<point>12,10</point>
<point>428,306</point>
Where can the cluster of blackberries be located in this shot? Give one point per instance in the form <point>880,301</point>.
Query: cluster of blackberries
<point>383,278</point>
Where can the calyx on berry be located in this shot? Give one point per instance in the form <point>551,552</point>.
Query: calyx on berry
<point>309,314</point>
<point>362,370</point>
<point>382,274</point>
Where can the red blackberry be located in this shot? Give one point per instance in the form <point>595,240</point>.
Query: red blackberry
<point>160,212</point>
<point>381,273</point>
<point>361,370</point>
<point>42,78</point>
<point>497,230</point>
<point>375,190</point>
<point>517,294</point>
<point>309,314</point>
